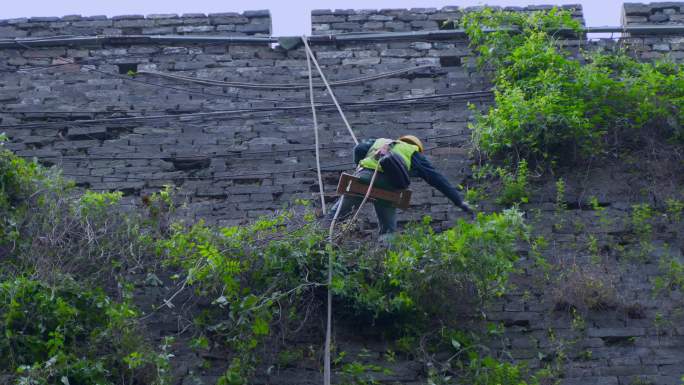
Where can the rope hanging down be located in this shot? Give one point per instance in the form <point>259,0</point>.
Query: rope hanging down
<point>315,122</point>
<point>327,86</point>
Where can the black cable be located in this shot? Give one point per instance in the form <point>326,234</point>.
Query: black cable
<point>285,86</point>
<point>169,110</point>
<point>238,154</point>
<point>184,90</point>
<point>231,177</point>
<point>88,67</point>
<point>236,176</point>
<point>397,101</point>
<point>35,68</point>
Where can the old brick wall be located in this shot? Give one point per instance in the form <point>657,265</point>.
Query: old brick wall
<point>326,21</point>
<point>647,45</point>
<point>225,24</point>
<point>236,166</point>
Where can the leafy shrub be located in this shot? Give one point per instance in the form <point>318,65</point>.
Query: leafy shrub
<point>641,219</point>
<point>672,277</point>
<point>551,108</point>
<point>514,186</point>
<point>69,335</point>
<point>425,270</point>
<point>674,209</point>
<point>49,228</point>
<point>21,183</point>
<point>250,273</point>
<point>471,362</point>
<point>271,270</point>
<point>487,370</point>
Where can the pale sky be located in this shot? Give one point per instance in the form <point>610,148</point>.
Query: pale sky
<point>289,17</point>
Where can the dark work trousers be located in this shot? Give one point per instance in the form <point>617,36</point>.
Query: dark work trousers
<point>386,213</point>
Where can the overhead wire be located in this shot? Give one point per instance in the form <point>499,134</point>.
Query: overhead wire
<point>395,101</point>
<point>184,90</point>
<point>398,101</point>
<point>283,86</point>
<point>239,154</point>
<point>210,82</point>
<point>327,168</point>
<point>34,68</point>
<point>227,84</point>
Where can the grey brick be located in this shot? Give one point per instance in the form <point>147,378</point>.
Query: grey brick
<point>195,29</point>
<point>658,17</point>
<point>42,19</point>
<point>137,23</point>
<point>128,17</point>
<point>257,13</point>
<point>254,28</point>
<point>160,16</point>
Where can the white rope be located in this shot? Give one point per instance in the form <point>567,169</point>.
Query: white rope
<point>328,327</point>
<point>365,198</point>
<point>327,85</point>
<point>315,122</point>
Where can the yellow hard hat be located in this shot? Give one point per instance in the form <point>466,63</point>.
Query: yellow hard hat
<point>410,139</point>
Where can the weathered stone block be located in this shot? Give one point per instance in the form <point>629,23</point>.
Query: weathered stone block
<point>162,16</point>
<point>195,29</point>
<point>658,18</point>
<point>128,17</point>
<point>93,23</point>
<point>254,28</point>
<point>327,19</point>
<point>380,18</point>
<point>262,13</point>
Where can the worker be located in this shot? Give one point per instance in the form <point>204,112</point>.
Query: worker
<point>409,149</point>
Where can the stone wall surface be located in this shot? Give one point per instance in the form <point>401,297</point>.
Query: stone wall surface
<point>224,24</point>
<point>326,21</point>
<point>653,13</point>
<point>647,45</point>
<point>232,167</point>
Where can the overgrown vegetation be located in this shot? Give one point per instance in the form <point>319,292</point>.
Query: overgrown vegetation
<point>258,283</point>
<point>71,335</point>
<point>65,313</point>
<point>553,106</point>
<point>46,226</point>
<point>266,276</point>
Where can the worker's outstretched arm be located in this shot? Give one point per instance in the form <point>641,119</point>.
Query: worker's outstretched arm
<point>424,169</point>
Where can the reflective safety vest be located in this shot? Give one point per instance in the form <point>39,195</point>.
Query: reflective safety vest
<point>403,149</point>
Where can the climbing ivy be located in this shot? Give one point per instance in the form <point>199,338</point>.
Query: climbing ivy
<point>552,105</point>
